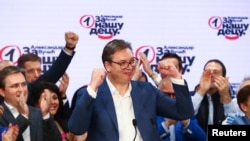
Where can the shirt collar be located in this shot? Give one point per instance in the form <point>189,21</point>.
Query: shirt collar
<point>12,109</point>
<point>113,90</point>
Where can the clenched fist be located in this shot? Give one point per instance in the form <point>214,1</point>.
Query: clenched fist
<point>71,39</point>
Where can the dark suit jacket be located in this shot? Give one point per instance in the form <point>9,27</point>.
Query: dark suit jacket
<point>40,130</point>
<point>97,116</point>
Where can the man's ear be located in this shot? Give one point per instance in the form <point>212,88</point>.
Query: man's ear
<point>107,66</point>
<point>2,92</point>
<point>243,107</point>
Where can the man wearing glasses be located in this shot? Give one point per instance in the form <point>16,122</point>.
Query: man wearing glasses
<point>113,107</point>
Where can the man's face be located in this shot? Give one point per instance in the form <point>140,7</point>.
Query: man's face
<point>15,90</point>
<point>118,73</point>
<point>215,69</point>
<point>32,70</point>
<point>246,106</point>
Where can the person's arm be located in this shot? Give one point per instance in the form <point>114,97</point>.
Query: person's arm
<point>84,105</point>
<point>155,77</point>
<point>146,67</point>
<point>223,86</point>
<point>192,131</point>
<point>59,67</point>
<point>162,129</point>
<point>11,133</point>
<point>196,100</point>
<point>231,108</point>
<point>50,130</point>
<point>180,108</point>
<point>83,108</point>
<point>24,113</point>
<point>201,90</point>
<point>64,83</point>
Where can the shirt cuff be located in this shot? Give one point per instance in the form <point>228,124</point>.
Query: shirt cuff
<point>178,81</point>
<point>46,116</point>
<point>196,100</point>
<point>185,129</point>
<point>165,127</point>
<point>167,131</point>
<point>91,92</point>
<point>65,101</point>
<point>157,80</point>
<point>70,54</point>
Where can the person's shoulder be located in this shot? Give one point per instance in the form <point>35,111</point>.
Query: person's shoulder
<point>238,120</point>
<point>76,96</point>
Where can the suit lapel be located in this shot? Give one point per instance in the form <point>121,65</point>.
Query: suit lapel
<point>108,102</point>
<point>106,97</point>
<point>137,99</point>
<point>7,115</point>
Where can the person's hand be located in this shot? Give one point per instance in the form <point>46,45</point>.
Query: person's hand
<point>1,110</point>
<point>145,63</point>
<point>185,122</point>
<point>205,82</point>
<point>138,72</point>
<point>45,102</point>
<point>22,106</point>
<point>71,39</point>
<point>167,68</point>
<point>222,84</point>
<point>168,122</point>
<point>64,83</point>
<point>97,78</point>
<point>11,134</point>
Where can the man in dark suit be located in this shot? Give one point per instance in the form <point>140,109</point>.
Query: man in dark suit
<point>34,124</point>
<point>113,107</point>
<point>31,64</point>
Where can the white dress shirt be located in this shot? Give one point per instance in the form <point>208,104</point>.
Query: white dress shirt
<point>197,98</point>
<point>124,112</point>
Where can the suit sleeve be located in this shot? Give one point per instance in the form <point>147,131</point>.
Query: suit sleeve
<point>83,108</point>
<point>55,72</point>
<point>181,108</point>
<point>57,69</point>
<point>192,132</point>
<point>50,130</point>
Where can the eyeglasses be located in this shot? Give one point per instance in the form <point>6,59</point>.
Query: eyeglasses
<point>124,64</point>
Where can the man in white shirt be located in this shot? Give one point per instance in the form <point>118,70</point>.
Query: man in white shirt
<point>212,97</point>
<point>115,108</point>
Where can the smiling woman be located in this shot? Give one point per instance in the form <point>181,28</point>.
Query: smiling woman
<point>47,96</point>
